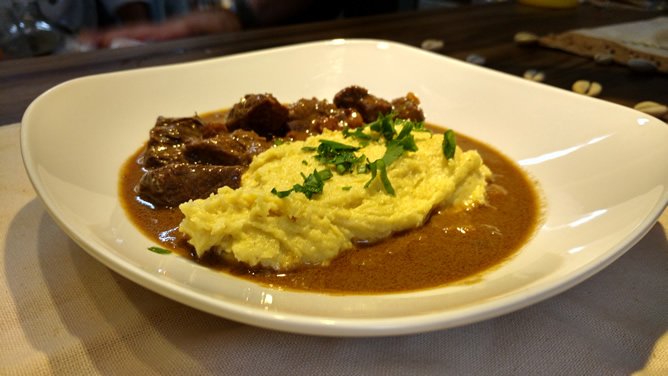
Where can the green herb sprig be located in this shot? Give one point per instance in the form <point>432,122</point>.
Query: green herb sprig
<point>358,133</point>
<point>449,144</point>
<point>396,147</point>
<point>384,125</point>
<point>158,250</point>
<point>313,184</point>
<point>419,126</point>
<point>343,158</point>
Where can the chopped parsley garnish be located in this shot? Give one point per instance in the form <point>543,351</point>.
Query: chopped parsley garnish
<point>159,250</point>
<point>419,127</point>
<point>343,159</point>
<point>384,125</point>
<point>313,184</point>
<point>340,155</point>
<point>449,144</point>
<point>278,141</point>
<point>330,148</point>
<point>359,134</point>
<point>395,149</point>
<point>379,167</point>
<point>281,194</point>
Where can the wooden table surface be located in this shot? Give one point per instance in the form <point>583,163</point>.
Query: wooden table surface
<point>485,29</point>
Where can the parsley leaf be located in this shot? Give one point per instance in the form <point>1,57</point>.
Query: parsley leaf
<point>313,184</point>
<point>359,134</point>
<point>281,194</point>
<point>395,149</point>
<point>373,167</point>
<point>384,125</point>
<point>159,250</point>
<point>404,142</point>
<point>343,158</point>
<point>393,152</point>
<point>383,177</point>
<point>340,155</point>
<point>449,145</point>
<point>378,167</point>
<point>419,127</point>
<point>330,146</point>
<point>324,174</point>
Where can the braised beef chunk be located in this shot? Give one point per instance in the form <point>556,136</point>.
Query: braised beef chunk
<point>261,113</point>
<point>168,139</point>
<point>187,158</point>
<point>176,183</point>
<point>312,116</point>
<point>236,148</point>
<point>408,108</point>
<point>213,128</point>
<point>358,98</point>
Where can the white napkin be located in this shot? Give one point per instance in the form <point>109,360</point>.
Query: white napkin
<point>641,45</point>
<point>645,36</point>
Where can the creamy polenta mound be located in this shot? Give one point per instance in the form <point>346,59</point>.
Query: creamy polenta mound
<point>261,229</point>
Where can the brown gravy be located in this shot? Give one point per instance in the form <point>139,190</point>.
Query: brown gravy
<point>450,247</point>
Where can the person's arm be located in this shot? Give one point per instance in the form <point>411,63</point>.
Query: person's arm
<point>264,12</point>
<point>196,23</point>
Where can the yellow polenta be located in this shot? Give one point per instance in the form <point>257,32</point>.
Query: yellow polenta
<point>261,229</point>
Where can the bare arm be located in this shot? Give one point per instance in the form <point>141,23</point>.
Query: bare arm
<point>196,23</point>
<point>266,12</point>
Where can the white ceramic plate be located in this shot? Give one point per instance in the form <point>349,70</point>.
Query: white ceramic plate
<point>603,170</point>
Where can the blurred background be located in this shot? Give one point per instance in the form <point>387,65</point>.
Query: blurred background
<point>41,27</point>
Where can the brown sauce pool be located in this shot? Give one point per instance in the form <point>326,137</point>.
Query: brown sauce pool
<point>450,247</point>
